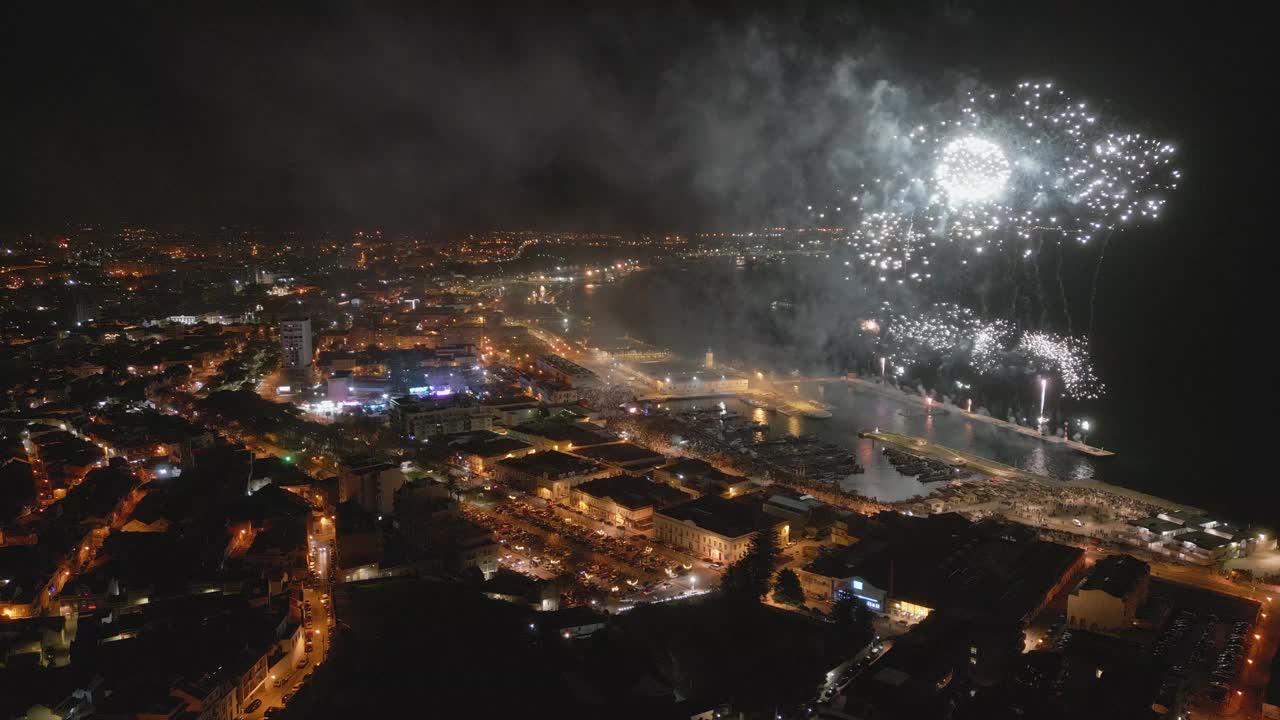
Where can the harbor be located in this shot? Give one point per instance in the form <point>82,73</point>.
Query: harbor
<point>937,406</point>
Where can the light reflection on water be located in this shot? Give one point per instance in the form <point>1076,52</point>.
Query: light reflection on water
<point>854,409</point>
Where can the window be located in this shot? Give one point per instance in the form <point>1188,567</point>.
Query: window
<point>857,584</point>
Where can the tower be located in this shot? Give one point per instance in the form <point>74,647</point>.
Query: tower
<point>710,362</point>
<point>295,342</point>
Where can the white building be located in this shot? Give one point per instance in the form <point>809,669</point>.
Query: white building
<point>371,484</point>
<point>1110,596</point>
<point>295,340</point>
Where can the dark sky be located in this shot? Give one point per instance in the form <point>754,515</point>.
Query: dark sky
<point>669,117</point>
<point>492,115</point>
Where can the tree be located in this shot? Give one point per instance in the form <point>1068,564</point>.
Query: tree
<point>787,588</point>
<point>736,582</point>
<point>752,576</point>
<point>852,620</point>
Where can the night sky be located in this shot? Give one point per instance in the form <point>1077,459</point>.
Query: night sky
<point>671,117</point>
<point>498,116</point>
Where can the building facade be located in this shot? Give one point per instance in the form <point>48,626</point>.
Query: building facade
<point>295,342</point>
<point>1110,596</point>
<point>713,527</point>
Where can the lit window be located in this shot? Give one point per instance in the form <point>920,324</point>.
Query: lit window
<point>857,584</point>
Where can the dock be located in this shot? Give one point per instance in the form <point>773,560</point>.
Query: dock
<point>897,394</point>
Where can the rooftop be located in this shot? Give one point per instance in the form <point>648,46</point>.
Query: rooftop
<point>623,454</point>
<point>491,445</point>
<point>563,432</point>
<point>1207,541</point>
<point>1116,575</point>
<point>727,518</point>
<point>632,492</point>
<point>551,463</point>
<point>945,561</point>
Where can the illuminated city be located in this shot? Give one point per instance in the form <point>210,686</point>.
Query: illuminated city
<point>829,361</point>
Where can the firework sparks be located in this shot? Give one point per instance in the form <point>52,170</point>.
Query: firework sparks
<point>957,337</point>
<point>972,169</point>
<point>891,249</point>
<point>1068,358</point>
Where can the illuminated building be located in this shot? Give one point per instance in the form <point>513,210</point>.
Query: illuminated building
<point>624,501</point>
<point>1110,596</point>
<point>295,341</point>
<point>716,528</point>
<point>421,418</point>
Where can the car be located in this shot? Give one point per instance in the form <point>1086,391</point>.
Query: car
<point>253,705</point>
<point>287,697</point>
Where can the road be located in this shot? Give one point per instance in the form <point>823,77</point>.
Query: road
<point>319,618</point>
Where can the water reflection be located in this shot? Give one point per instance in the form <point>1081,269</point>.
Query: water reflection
<point>795,426</point>
<point>854,409</point>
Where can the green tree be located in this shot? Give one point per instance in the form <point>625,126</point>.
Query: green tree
<point>736,582</point>
<point>852,620</point>
<point>752,576</point>
<point>787,590</point>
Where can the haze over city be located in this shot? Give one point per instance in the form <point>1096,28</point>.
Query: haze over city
<point>873,360</point>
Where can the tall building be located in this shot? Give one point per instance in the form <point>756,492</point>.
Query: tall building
<point>295,340</point>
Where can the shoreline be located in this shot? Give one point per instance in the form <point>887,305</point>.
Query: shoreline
<point>994,469</point>
<point>897,394</point>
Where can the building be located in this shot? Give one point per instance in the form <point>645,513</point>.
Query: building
<point>550,475</point>
<point>371,484</point>
<point>624,456</point>
<point>908,567</point>
<point>571,623</point>
<point>806,514</point>
<point>624,501</point>
<point>422,418</point>
<point>699,477</point>
<point>295,341</point>
<point>560,435</point>
<point>478,452</point>
<point>716,528</point>
<point>566,371</point>
<point>1197,538</point>
<point>673,379</point>
<point>1110,596</point>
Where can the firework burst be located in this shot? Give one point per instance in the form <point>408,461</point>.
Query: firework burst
<point>1066,357</point>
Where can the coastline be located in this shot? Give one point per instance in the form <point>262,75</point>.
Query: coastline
<point>995,469</point>
<point>897,394</point>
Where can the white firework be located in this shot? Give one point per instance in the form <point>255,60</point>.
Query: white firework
<point>892,249</point>
<point>972,170</point>
<point>1068,358</point>
<point>1007,165</point>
